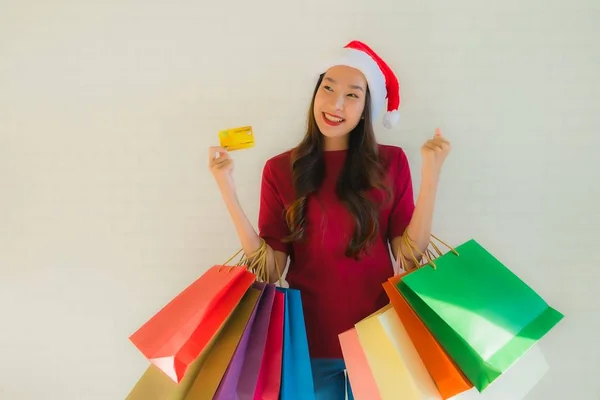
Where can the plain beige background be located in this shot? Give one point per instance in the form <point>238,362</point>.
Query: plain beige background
<point>107,209</point>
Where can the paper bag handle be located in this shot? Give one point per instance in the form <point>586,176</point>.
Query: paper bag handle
<point>427,254</point>
<point>257,263</point>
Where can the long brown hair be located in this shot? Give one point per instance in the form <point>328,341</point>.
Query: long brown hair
<point>363,171</point>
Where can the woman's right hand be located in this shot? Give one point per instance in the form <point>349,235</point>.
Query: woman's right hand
<point>222,168</point>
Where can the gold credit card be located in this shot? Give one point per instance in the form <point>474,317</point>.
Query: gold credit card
<point>237,138</point>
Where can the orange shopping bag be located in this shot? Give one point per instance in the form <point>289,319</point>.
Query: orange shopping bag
<point>175,336</point>
<point>449,380</point>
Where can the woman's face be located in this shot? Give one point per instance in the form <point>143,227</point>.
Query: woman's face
<point>340,101</point>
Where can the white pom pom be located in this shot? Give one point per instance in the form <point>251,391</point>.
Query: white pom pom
<point>391,118</point>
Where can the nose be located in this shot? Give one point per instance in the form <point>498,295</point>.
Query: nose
<point>339,103</point>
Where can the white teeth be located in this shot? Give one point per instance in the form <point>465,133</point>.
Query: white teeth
<point>333,119</point>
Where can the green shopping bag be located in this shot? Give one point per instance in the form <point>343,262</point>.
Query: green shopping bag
<point>483,315</point>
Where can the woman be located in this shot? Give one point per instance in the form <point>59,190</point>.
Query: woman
<point>336,203</point>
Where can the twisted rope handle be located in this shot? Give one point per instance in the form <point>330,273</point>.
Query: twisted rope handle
<point>427,254</point>
<point>257,263</point>
<point>229,260</point>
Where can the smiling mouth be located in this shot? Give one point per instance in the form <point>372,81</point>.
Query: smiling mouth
<point>331,119</point>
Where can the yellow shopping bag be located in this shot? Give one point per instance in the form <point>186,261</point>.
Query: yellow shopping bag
<point>396,366</point>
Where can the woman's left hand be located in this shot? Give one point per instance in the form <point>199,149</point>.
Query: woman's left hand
<point>434,152</point>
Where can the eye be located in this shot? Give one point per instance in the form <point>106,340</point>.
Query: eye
<point>328,88</point>
<point>353,95</point>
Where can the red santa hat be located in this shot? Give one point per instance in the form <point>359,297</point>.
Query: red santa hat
<point>382,81</point>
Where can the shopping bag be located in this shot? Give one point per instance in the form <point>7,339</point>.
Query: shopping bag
<point>448,378</point>
<point>204,371</point>
<point>361,378</point>
<point>269,378</point>
<point>296,372</point>
<point>155,385</point>
<point>396,366</point>
<point>239,381</point>
<point>248,381</point>
<point>217,361</point>
<point>175,336</point>
<point>483,315</point>
<point>516,382</point>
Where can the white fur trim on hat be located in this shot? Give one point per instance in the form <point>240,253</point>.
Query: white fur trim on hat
<point>391,118</point>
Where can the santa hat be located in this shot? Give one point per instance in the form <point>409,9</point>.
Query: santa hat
<point>382,81</point>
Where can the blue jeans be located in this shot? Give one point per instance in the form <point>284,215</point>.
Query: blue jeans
<point>331,382</point>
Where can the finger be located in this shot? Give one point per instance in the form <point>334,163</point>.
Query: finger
<point>438,132</point>
<point>440,141</point>
<point>223,165</point>
<point>438,137</point>
<point>436,146</point>
<point>429,145</point>
<point>218,162</point>
<point>440,146</point>
<point>216,151</point>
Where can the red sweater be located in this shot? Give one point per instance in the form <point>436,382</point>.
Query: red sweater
<point>337,291</point>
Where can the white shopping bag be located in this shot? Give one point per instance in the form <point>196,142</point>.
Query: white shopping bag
<point>516,382</point>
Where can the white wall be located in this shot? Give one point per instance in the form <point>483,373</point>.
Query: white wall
<point>107,208</point>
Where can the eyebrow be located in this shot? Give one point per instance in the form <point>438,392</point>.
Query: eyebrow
<point>357,87</point>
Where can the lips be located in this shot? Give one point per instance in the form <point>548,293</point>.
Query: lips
<point>332,119</point>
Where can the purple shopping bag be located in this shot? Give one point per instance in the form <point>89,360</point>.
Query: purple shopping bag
<point>241,377</point>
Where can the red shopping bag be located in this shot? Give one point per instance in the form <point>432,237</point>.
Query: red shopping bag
<point>269,377</point>
<point>175,336</point>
